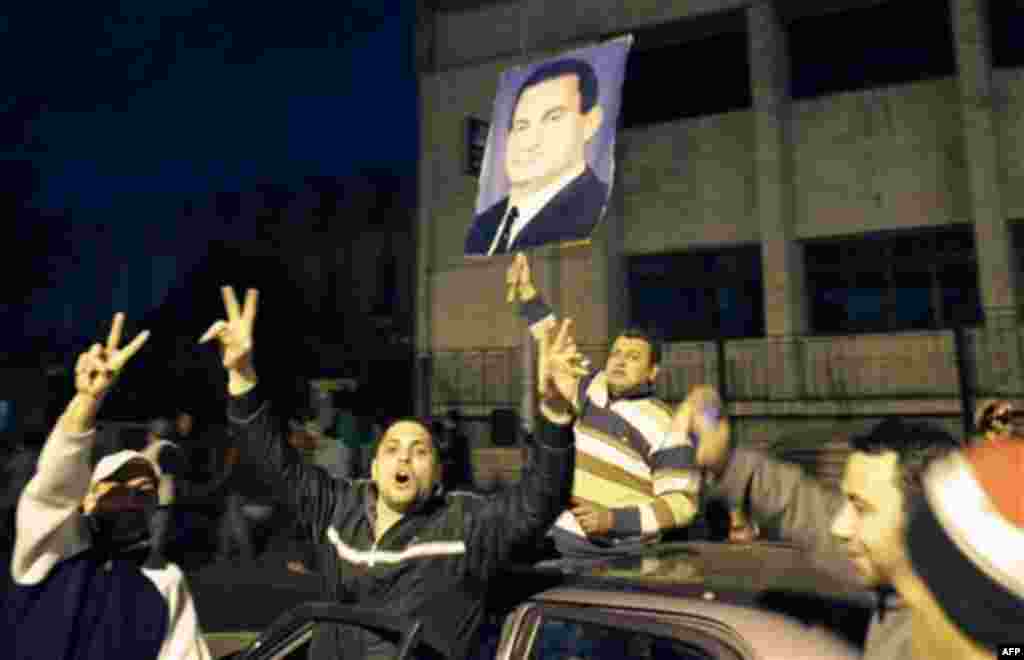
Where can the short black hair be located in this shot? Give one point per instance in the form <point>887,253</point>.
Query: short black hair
<point>916,444</point>
<point>585,73</point>
<point>424,422</point>
<point>649,336</point>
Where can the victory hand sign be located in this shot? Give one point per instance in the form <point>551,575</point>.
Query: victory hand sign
<point>559,368</point>
<point>96,371</point>
<point>235,336</point>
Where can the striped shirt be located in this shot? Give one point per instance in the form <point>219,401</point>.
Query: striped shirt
<point>626,461</point>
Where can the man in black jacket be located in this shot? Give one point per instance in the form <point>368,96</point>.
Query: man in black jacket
<point>397,542</point>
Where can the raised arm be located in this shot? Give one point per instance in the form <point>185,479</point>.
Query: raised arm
<point>50,526</point>
<point>541,320</point>
<point>774,492</point>
<point>264,452</point>
<point>520,514</point>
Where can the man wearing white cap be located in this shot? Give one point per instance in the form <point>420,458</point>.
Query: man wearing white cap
<point>83,585</point>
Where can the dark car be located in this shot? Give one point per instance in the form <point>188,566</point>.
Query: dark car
<point>687,601</point>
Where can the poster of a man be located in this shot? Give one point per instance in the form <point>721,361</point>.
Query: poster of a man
<point>549,163</point>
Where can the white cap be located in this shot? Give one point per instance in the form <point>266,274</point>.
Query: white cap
<point>109,465</point>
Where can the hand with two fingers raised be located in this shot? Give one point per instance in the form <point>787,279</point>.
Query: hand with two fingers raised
<point>235,339</point>
<point>559,368</point>
<point>519,281</point>
<point>96,371</point>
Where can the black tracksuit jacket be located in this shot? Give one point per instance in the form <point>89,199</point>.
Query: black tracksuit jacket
<point>434,564</point>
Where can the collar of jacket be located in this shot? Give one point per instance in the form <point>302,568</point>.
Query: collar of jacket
<point>370,503</point>
<point>641,391</point>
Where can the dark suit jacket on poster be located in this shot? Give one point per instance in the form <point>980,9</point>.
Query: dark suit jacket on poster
<point>570,216</point>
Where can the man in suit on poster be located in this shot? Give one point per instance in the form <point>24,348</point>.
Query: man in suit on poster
<point>554,195</point>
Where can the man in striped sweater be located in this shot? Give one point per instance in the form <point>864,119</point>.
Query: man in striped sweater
<point>633,480</point>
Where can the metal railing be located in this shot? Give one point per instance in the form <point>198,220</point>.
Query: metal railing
<point>967,363</point>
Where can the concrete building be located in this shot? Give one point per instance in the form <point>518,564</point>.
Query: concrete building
<point>893,196</point>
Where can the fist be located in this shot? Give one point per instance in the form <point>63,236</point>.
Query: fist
<point>701,421</point>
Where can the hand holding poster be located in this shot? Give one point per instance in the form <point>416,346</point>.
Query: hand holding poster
<point>549,164</point>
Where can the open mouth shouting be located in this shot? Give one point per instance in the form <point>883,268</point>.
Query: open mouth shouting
<point>403,478</point>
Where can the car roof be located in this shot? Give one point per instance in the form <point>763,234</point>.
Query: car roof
<point>781,600</point>
<point>762,633</point>
<point>740,573</point>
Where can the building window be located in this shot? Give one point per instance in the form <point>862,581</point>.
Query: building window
<point>1006,25</point>
<point>868,47</point>
<point>660,86</point>
<point>894,281</point>
<point>698,296</point>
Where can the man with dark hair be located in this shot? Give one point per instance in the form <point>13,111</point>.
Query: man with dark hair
<point>554,195</point>
<point>633,481</point>
<point>862,526</point>
<point>397,542</point>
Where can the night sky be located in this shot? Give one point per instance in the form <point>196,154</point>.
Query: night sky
<point>116,113</point>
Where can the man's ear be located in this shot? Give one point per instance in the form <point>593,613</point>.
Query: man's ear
<point>654,373</point>
<point>592,122</point>
<point>373,469</point>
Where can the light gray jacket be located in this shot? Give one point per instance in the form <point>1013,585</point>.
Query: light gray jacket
<point>782,496</point>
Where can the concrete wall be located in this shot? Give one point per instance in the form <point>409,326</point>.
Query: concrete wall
<point>1009,113</point>
<point>864,161</point>
<point>879,159</point>
<point>887,158</point>
<point>688,184</point>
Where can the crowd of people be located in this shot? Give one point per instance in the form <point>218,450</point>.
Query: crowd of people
<point>933,525</point>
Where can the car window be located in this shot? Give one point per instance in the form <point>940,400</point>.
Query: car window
<point>562,639</point>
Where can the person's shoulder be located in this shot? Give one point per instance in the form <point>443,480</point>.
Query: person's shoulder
<point>659,408</point>
<point>463,502</point>
<point>592,192</point>
<point>656,412</point>
<point>589,179</point>
<point>492,215</point>
<point>484,227</point>
<point>572,214</point>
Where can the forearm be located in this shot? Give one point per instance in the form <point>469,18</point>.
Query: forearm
<point>537,314</point>
<point>545,490</point>
<point>80,414</point>
<point>260,434</point>
<point>518,515</point>
<point>167,490</point>
<point>240,381</point>
<point>48,520</point>
<point>63,471</point>
<point>265,457</point>
<point>661,514</point>
<point>781,495</point>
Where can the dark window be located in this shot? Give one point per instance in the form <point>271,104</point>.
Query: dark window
<point>896,281</point>
<point>685,69</point>
<point>558,639</point>
<point>698,296</point>
<point>1006,23</point>
<point>868,47</point>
